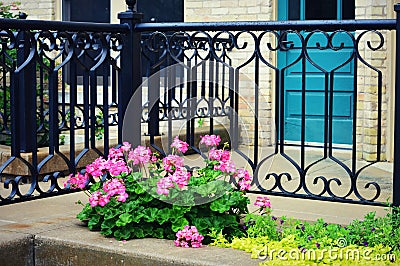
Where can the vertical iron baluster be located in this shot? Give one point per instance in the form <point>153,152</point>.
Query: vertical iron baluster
<point>396,159</point>
<point>211,93</point>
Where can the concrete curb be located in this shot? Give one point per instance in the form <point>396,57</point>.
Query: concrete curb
<point>78,246</point>
<point>75,245</point>
<point>16,249</point>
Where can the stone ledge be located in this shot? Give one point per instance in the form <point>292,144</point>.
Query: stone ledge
<point>16,249</point>
<point>79,246</point>
<point>74,244</point>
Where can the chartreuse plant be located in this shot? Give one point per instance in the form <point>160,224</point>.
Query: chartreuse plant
<point>135,194</point>
<point>282,241</point>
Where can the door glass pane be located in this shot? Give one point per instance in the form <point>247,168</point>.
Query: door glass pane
<point>317,9</point>
<point>348,9</point>
<point>294,10</point>
<point>161,10</point>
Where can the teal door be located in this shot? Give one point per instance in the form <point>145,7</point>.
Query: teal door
<point>315,69</point>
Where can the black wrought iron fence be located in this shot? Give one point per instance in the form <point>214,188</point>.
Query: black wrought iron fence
<point>299,122</point>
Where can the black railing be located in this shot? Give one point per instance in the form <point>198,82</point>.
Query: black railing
<point>76,79</point>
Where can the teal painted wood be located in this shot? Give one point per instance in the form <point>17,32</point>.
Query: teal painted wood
<point>317,82</point>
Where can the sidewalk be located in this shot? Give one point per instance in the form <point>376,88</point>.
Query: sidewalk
<point>46,232</point>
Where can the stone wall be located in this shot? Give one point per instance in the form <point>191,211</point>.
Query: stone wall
<point>367,81</point>
<point>43,9</point>
<point>238,10</point>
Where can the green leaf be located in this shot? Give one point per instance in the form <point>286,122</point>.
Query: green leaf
<point>95,187</point>
<point>163,215</point>
<point>150,214</point>
<point>206,189</point>
<point>138,232</point>
<point>124,219</point>
<point>85,213</point>
<point>94,222</point>
<point>122,233</point>
<point>220,205</point>
<point>158,232</point>
<point>179,224</point>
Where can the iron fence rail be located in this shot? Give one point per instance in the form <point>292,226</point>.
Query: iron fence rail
<point>300,25</point>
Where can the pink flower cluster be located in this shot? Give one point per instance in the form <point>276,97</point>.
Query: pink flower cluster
<point>210,140</point>
<point>179,145</point>
<point>244,179</point>
<point>227,167</point>
<point>172,162</point>
<point>115,164</point>
<point>180,177</point>
<point>140,155</point>
<point>225,164</point>
<point>219,155</point>
<point>76,181</point>
<point>111,188</point>
<point>188,237</point>
<point>263,203</point>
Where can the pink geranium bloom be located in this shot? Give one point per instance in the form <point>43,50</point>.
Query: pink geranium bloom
<point>212,140</point>
<point>179,145</point>
<point>94,198</point>
<point>263,202</point>
<point>171,162</point>
<point>126,146</point>
<point>181,177</point>
<point>77,181</point>
<point>103,200</point>
<point>140,155</point>
<point>163,185</point>
<point>97,168</point>
<point>116,167</point>
<point>226,167</point>
<point>244,179</point>
<point>188,237</point>
<point>122,197</point>
<point>116,154</point>
<point>219,155</point>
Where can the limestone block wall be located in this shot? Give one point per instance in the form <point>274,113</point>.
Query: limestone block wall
<point>250,10</point>
<point>367,82</point>
<point>43,9</point>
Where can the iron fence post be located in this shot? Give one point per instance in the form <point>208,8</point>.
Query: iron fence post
<point>130,79</point>
<point>23,94</point>
<point>396,159</point>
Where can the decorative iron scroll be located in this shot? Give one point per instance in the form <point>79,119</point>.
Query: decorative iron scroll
<point>62,106</point>
<point>194,51</point>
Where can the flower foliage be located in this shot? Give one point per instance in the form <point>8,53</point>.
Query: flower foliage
<point>134,194</point>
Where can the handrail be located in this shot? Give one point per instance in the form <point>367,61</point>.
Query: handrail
<point>328,25</point>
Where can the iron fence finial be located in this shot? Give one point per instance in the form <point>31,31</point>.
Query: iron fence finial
<point>131,5</point>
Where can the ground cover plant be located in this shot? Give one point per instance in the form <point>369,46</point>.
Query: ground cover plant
<point>287,241</point>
